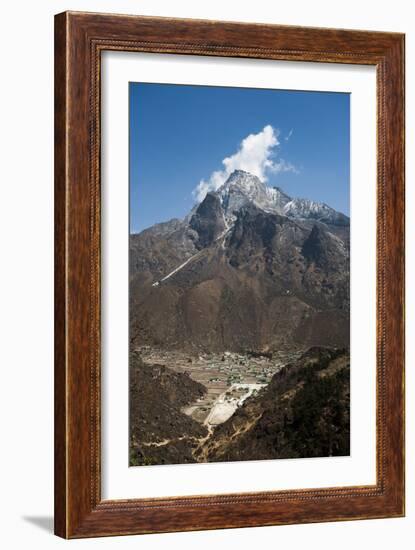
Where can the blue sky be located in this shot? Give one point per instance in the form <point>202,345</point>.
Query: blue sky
<point>179,136</point>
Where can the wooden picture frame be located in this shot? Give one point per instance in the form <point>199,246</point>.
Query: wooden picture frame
<point>79,40</point>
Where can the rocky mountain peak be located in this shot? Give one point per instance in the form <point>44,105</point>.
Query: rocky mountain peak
<point>242,188</point>
<point>245,183</point>
<point>241,178</point>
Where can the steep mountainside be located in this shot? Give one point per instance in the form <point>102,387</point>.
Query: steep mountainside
<point>303,412</point>
<point>208,221</point>
<point>159,431</point>
<point>248,268</point>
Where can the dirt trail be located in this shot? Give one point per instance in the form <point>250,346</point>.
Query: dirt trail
<point>201,440</point>
<point>168,441</point>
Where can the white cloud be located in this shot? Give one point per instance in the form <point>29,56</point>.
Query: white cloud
<point>290,133</point>
<point>256,154</point>
<point>283,166</point>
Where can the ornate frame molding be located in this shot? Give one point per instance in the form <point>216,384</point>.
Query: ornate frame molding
<point>79,40</point>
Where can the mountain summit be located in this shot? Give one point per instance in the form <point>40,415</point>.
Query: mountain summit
<point>242,188</point>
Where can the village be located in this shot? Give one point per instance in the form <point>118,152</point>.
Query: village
<point>229,377</point>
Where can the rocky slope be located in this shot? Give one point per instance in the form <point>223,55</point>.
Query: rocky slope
<point>248,268</point>
<point>159,432</point>
<point>302,413</point>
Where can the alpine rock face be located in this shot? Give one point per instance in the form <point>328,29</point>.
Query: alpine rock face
<point>248,268</point>
<point>243,188</point>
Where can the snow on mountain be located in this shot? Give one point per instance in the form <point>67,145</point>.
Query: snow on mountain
<point>278,198</point>
<point>242,188</point>
<point>307,209</point>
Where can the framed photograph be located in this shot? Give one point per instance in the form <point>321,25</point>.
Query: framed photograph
<point>229,275</point>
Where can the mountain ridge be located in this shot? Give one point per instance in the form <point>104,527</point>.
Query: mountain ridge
<point>242,188</point>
